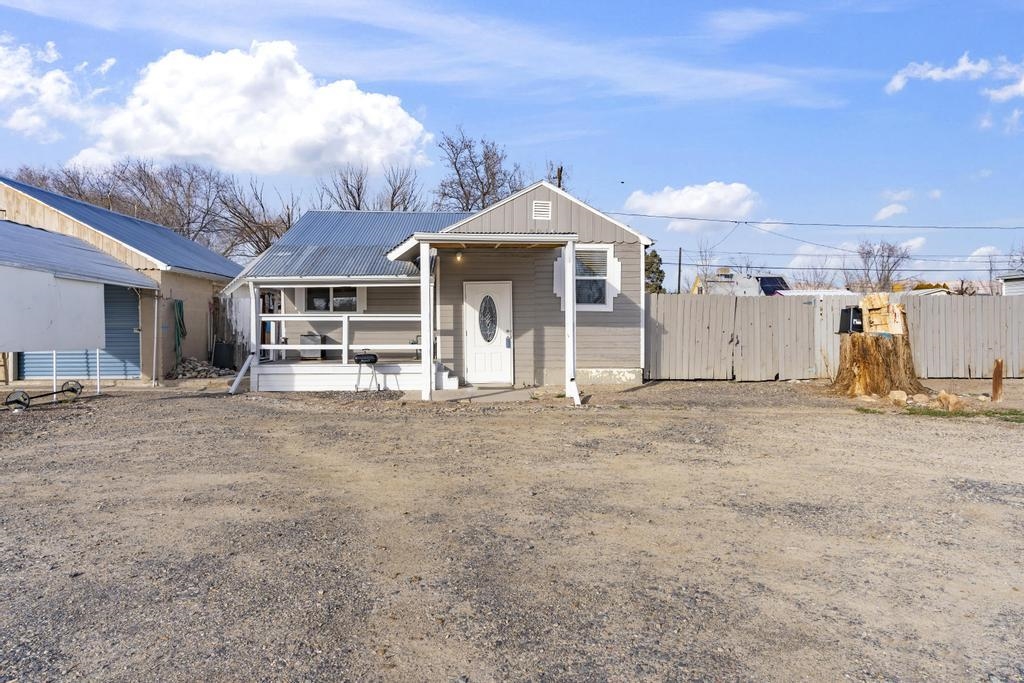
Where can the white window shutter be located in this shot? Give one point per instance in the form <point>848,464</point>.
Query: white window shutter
<point>614,276</point>
<point>559,283</point>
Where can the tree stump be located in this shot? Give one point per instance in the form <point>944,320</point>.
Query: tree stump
<point>876,364</point>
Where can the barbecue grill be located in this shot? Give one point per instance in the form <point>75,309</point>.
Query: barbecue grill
<point>366,358</point>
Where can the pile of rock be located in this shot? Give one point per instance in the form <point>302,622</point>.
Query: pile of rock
<point>193,368</point>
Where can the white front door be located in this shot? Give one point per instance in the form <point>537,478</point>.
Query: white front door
<point>487,321</point>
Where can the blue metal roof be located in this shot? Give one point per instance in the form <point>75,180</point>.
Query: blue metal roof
<point>347,244</point>
<point>156,241</point>
<point>64,256</point>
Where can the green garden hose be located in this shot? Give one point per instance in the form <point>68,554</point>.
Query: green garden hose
<point>180,331</point>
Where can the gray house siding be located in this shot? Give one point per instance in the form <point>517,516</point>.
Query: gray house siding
<point>515,216</point>
<point>605,340</point>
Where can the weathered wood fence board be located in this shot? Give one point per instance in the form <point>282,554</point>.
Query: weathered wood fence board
<point>765,338</point>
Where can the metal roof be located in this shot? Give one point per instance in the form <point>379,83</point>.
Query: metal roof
<point>24,247</point>
<point>155,241</point>
<point>347,244</point>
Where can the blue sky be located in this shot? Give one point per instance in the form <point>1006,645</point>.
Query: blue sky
<point>786,111</point>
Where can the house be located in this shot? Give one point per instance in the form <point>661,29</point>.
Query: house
<point>726,281</point>
<point>815,292</point>
<point>72,285</point>
<point>1013,284</point>
<point>141,326</point>
<point>448,299</point>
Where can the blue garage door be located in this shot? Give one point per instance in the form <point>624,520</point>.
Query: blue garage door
<point>120,360</point>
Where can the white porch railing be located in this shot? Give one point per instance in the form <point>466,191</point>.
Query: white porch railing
<point>345,319</point>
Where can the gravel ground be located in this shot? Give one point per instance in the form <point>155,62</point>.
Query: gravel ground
<point>681,531</point>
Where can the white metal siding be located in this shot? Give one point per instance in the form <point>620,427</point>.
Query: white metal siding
<point>120,358</point>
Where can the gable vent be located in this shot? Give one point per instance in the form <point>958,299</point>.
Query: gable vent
<point>542,211</point>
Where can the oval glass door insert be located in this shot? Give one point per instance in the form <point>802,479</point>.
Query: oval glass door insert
<point>488,318</point>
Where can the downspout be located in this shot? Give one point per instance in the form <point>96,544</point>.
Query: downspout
<point>156,334</point>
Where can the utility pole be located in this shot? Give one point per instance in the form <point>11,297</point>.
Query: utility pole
<point>679,272</point>
<point>558,177</point>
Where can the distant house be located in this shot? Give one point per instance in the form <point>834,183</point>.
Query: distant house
<point>1013,284</point>
<point>726,281</point>
<point>815,292</point>
<point>140,321</point>
<point>538,289</point>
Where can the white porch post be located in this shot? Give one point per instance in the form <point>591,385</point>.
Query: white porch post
<point>254,326</point>
<point>426,322</point>
<point>569,259</point>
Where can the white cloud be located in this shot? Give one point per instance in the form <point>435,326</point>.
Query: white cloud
<point>983,253</point>
<point>31,97</point>
<point>487,52</point>
<point>935,194</point>
<point>258,110</point>
<point>985,122</point>
<point>1012,123</point>
<point>106,66</point>
<point>965,69</point>
<point>735,25</point>
<point>898,195</point>
<point>811,256</point>
<point>890,210</point>
<point>913,244</point>
<point>732,201</point>
<point>49,54</point>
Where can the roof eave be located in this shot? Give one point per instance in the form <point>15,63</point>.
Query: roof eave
<point>403,250</point>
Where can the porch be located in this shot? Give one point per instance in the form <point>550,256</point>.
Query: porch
<point>306,333</point>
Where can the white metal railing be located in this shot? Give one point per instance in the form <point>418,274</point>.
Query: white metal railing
<point>345,319</point>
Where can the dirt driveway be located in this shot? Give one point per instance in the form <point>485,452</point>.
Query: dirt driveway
<point>681,531</point>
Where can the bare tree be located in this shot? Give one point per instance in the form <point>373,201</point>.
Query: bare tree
<point>253,223</point>
<point>818,275</point>
<point>876,267</point>
<point>705,261</point>
<point>401,191</point>
<point>180,196</point>
<point>557,174</point>
<point>478,173</point>
<point>1015,258</point>
<point>347,188</point>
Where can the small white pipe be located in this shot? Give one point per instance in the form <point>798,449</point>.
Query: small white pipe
<point>97,372</point>
<point>53,399</point>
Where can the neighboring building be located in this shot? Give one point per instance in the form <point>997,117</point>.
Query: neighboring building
<point>484,291</point>
<point>1013,284</point>
<point>182,269</point>
<point>728,282</point>
<point>72,307</point>
<point>815,292</point>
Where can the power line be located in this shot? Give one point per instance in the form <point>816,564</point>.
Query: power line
<point>942,258</point>
<point>798,224</point>
<point>828,268</point>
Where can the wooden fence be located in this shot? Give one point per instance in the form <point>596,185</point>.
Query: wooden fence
<point>766,338</point>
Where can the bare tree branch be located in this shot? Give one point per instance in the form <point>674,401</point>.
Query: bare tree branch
<point>401,190</point>
<point>478,173</point>
<point>345,188</point>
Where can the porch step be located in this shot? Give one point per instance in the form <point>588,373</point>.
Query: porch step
<point>445,379</point>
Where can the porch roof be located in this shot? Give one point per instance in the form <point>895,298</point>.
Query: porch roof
<point>409,249</point>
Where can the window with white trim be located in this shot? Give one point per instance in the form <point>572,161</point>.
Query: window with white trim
<point>592,276</point>
<point>332,300</point>
<point>598,277</point>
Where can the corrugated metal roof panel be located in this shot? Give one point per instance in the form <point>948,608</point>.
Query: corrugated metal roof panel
<point>24,247</point>
<point>156,241</point>
<point>347,244</point>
